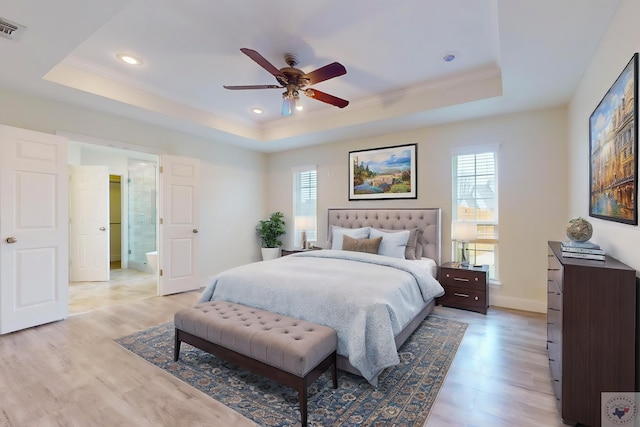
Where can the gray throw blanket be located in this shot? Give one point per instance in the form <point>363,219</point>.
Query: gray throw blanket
<point>367,299</point>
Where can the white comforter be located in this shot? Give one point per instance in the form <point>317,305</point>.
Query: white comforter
<point>366,298</point>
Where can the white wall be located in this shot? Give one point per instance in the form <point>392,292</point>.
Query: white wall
<point>232,178</point>
<point>532,189</point>
<point>621,41</point>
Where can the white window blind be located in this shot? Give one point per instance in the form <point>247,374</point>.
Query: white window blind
<point>475,199</point>
<point>305,188</point>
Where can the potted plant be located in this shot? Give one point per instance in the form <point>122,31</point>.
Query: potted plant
<point>270,231</point>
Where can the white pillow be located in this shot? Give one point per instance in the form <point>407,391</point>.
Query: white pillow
<point>338,232</point>
<point>393,244</point>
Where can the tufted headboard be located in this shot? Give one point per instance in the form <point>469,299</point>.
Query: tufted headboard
<point>426,219</point>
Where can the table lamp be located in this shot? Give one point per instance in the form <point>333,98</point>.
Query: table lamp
<point>464,232</point>
<point>302,224</point>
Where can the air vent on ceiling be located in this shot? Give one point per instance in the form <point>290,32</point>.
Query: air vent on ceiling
<point>9,29</point>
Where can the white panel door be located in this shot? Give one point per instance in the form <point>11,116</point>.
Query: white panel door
<point>34,227</point>
<point>179,218</point>
<point>89,222</point>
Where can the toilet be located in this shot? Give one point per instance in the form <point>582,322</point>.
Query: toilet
<point>152,259</point>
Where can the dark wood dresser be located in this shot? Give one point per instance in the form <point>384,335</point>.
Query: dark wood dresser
<point>591,332</point>
<point>464,287</point>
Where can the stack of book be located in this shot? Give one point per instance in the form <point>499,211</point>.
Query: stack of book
<point>583,250</point>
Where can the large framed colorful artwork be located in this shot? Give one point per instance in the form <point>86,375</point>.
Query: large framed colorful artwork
<point>383,173</point>
<point>613,147</point>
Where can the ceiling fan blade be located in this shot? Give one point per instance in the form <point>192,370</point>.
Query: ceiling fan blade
<point>325,97</point>
<point>327,72</point>
<point>261,61</point>
<point>252,87</point>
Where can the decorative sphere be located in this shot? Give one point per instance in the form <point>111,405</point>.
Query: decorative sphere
<point>579,230</point>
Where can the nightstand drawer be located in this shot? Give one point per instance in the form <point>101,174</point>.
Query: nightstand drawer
<point>466,278</point>
<point>463,297</point>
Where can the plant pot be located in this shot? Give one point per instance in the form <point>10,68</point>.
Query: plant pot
<point>270,253</point>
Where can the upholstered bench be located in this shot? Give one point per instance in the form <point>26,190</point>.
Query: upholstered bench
<point>290,351</point>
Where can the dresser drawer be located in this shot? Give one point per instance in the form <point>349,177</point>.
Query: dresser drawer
<point>555,365</point>
<point>554,296</point>
<point>554,312</point>
<point>554,270</point>
<point>463,297</point>
<point>554,325</point>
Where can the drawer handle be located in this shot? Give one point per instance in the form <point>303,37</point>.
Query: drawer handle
<point>461,295</point>
<point>550,342</point>
<point>552,360</point>
<point>553,309</point>
<point>460,279</point>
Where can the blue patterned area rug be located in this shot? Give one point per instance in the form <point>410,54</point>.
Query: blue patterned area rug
<point>404,395</point>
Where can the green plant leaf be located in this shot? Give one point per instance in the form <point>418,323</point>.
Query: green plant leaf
<point>271,229</point>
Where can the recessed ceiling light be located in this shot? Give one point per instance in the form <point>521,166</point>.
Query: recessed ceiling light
<point>257,110</point>
<point>129,59</point>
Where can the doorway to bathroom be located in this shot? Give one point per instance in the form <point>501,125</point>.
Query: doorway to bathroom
<point>142,215</point>
<point>132,228</point>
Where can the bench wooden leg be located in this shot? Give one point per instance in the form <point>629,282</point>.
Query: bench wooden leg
<point>334,370</point>
<point>302,396</point>
<point>176,347</point>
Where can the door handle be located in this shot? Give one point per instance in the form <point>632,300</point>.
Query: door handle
<point>195,231</point>
<point>102,228</point>
<point>11,240</point>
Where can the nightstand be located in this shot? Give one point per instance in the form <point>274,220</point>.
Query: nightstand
<point>464,287</point>
<point>286,252</point>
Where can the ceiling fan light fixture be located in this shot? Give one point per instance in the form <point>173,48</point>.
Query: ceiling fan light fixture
<point>296,100</point>
<point>288,105</point>
<point>290,102</point>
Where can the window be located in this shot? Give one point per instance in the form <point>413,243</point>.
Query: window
<point>475,199</point>
<point>304,204</point>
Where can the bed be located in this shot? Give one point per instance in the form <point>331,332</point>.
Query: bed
<point>373,301</point>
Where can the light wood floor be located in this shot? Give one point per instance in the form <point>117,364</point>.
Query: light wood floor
<point>124,286</point>
<point>72,373</point>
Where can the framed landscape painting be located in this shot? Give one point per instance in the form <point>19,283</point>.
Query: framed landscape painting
<point>613,147</point>
<point>383,173</point>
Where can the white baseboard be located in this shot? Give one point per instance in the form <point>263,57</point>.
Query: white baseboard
<point>518,303</point>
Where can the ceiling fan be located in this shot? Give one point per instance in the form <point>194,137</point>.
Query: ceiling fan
<point>294,81</point>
